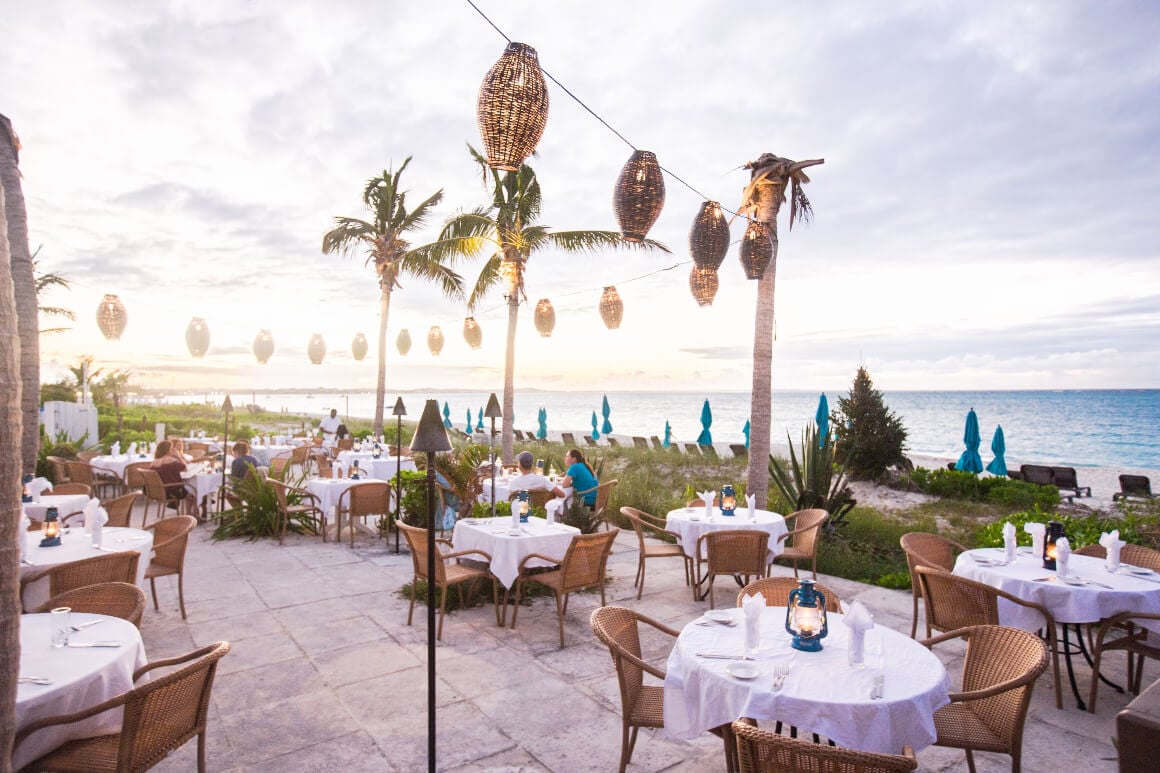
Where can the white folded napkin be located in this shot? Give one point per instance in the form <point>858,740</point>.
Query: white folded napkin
<point>1112,543</point>
<point>751,608</point>
<point>859,620</point>
<point>707,498</point>
<point>37,486</point>
<point>132,448</point>
<point>751,505</point>
<point>1036,530</point>
<point>96,523</point>
<point>1009,540</point>
<point>1062,554</point>
<point>89,510</point>
<point>115,450</point>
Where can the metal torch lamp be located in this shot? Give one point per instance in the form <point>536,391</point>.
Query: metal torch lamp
<point>1054,534</point>
<point>430,438</point>
<point>399,412</point>
<point>493,412</point>
<point>227,406</point>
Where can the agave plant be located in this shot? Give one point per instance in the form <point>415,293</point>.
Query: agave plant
<point>816,481</point>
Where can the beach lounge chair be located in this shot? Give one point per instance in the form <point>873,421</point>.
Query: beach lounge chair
<point>613,442</point>
<point>588,439</point>
<point>1043,476</point>
<point>568,439</point>
<point>693,448</point>
<point>640,442</point>
<point>1134,486</point>
<point>656,441</point>
<point>709,451</point>
<point>739,450</point>
<point>519,435</point>
<point>1064,478</point>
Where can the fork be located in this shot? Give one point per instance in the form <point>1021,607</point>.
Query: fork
<point>779,676</point>
<point>82,626</point>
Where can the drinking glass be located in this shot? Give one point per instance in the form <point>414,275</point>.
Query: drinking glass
<point>875,664</point>
<point>59,621</point>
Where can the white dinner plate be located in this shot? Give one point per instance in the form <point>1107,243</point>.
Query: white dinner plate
<point>742,670</point>
<point>719,616</point>
<point>1073,580</point>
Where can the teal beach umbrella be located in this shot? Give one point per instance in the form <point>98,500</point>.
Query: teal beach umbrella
<point>998,465</point>
<point>705,439</point>
<point>479,421</point>
<point>446,415</point>
<point>668,435</point>
<point>970,461</point>
<point>469,422</point>
<point>823,419</point>
<point>605,411</point>
<point>595,433</point>
<point>745,430</point>
<point>542,432</point>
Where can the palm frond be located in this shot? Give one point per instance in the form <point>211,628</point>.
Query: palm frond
<point>51,279</point>
<point>346,234</point>
<point>489,276</point>
<point>800,206</point>
<point>56,311</point>
<point>418,217</point>
<point>415,264</point>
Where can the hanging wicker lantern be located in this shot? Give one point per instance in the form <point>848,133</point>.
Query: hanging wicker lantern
<point>703,282</point>
<point>197,337</point>
<point>709,238</point>
<point>472,333</point>
<point>404,341</point>
<point>358,347</point>
<point>316,349</point>
<point>756,250</point>
<point>435,340</point>
<point>512,108</point>
<point>611,308</point>
<point>639,195</point>
<point>263,346</point>
<point>545,317</point>
<point>111,317</point>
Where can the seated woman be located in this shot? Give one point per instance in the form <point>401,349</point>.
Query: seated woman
<point>169,469</point>
<point>579,476</point>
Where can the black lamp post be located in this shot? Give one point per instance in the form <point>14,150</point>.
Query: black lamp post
<point>227,406</point>
<point>399,412</point>
<point>430,437</point>
<point>492,412</point>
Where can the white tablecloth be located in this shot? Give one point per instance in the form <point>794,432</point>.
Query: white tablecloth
<point>384,467</point>
<point>75,545</point>
<point>823,693</point>
<point>117,464</point>
<point>492,536</point>
<point>65,504</point>
<point>81,677</point>
<point>329,491</point>
<point>690,523</point>
<point>265,453</point>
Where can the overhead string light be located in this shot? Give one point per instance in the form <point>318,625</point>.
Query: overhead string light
<point>756,249</point>
<point>403,342</point>
<point>703,283</point>
<point>112,317</point>
<point>512,108</point>
<point>472,333</point>
<point>316,349</point>
<point>435,340</point>
<point>358,347</point>
<point>197,337</point>
<point>611,308</point>
<point>545,317</point>
<point>264,346</point>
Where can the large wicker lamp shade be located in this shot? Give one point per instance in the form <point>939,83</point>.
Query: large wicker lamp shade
<point>513,107</point>
<point>197,337</point>
<point>611,308</point>
<point>403,342</point>
<point>639,195</point>
<point>264,346</point>
<point>435,340</point>
<point>703,282</point>
<point>472,333</point>
<point>316,349</point>
<point>358,347</point>
<point>756,250</point>
<point>111,317</point>
<point>545,317</point>
<point>709,237</point>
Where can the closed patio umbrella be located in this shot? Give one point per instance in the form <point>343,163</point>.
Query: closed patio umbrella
<point>705,439</point>
<point>470,424</point>
<point>446,415</point>
<point>668,434</point>
<point>970,461</point>
<point>605,411</point>
<point>542,432</point>
<point>745,430</point>
<point>595,432</point>
<point>998,465</point>
<point>823,419</point>
<point>479,421</point>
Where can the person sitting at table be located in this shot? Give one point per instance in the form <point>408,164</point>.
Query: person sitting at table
<point>579,476</point>
<point>329,426</point>
<point>242,462</point>
<point>169,467</point>
<point>176,450</point>
<point>528,480</point>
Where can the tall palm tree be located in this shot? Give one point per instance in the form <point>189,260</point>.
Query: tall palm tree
<point>392,256</point>
<point>508,227</point>
<point>770,177</point>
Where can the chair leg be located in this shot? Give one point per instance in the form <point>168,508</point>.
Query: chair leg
<point>411,609</point>
<point>560,609</point>
<point>181,592</point>
<point>627,741</point>
<point>516,607</point>
<point>201,752</point>
<point>153,587</point>
<point>971,762</point>
<point>914,618</point>
<point>445,592</point>
<point>1053,644</point>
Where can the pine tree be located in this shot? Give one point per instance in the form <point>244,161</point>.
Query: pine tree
<point>871,437</point>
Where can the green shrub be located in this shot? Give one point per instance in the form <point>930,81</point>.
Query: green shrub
<point>816,481</point>
<point>959,484</point>
<point>258,515</point>
<point>1136,528</point>
<point>868,549</point>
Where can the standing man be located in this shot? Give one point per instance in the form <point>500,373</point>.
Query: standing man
<point>329,426</point>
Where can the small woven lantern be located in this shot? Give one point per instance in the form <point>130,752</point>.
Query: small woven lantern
<point>435,340</point>
<point>611,308</point>
<point>197,337</point>
<point>316,349</point>
<point>709,237</point>
<point>263,346</point>
<point>703,282</point>
<point>545,317</point>
<point>358,347</point>
<point>639,195</point>
<point>756,250</point>
<point>512,108</point>
<point>111,317</point>
<point>472,333</point>
<point>404,341</point>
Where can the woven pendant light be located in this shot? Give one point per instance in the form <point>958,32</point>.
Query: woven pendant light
<point>756,250</point>
<point>111,317</point>
<point>403,342</point>
<point>545,317</point>
<point>512,108</point>
<point>611,308</point>
<point>316,349</point>
<point>472,333</point>
<point>263,346</point>
<point>435,340</point>
<point>639,195</point>
<point>709,237</point>
<point>197,337</point>
<point>358,347</point>
<point>703,282</point>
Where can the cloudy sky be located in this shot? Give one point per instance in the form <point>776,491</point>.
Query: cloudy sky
<point>985,218</point>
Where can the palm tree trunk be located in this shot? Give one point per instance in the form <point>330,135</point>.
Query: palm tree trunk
<point>509,377</point>
<point>10,468</point>
<point>757,480</point>
<point>24,288</point>
<point>381,383</point>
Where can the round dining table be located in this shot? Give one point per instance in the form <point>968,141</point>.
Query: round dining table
<point>75,545</point>
<point>692,522</point>
<point>508,546</point>
<point>78,676</point>
<point>65,504</point>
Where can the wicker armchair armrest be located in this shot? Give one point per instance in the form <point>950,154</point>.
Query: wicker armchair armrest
<point>530,556</point>
<point>68,719</point>
<point>444,541</point>
<point>461,553</point>
<point>1123,617</point>
<point>974,695</point>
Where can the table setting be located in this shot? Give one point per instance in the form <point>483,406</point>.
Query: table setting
<point>692,522</point>
<point>75,544</point>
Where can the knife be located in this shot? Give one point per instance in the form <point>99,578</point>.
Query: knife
<point>94,644</point>
<point>723,656</point>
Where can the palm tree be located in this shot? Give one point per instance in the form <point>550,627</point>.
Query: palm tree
<point>770,177</point>
<point>43,283</point>
<point>391,255</point>
<point>508,227</point>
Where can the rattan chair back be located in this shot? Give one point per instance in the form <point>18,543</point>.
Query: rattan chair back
<point>417,543</point>
<point>1138,555</point>
<point>133,477</point>
<point>536,497</point>
<point>323,465</point>
<point>743,552</point>
<point>59,469</point>
<point>762,751</point>
<point>107,567</point>
<point>120,510</point>
<point>278,465</point>
<point>925,549</point>
<point>365,500</point>
<point>80,472</point>
<point>775,591</point>
<point>345,444</point>
<point>63,489</point>
<point>170,539</point>
<point>116,599</point>
<point>584,563</point>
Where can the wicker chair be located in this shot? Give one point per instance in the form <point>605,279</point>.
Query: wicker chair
<point>159,494</point>
<point>278,467</point>
<point>954,602</point>
<point>776,590</point>
<point>59,469</point>
<point>925,549</point>
<point>760,751</point>
<point>807,526</point>
<point>133,479</point>
<point>999,672</point>
<point>158,717</point>
<point>63,489</point>
<point>448,571</point>
<point>197,448</point>
<point>100,480</point>
<point>345,444</point>
<point>116,599</point>
<point>170,538</point>
<point>307,504</point>
<point>1138,555</point>
<point>603,495</point>
<point>640,521</point>
<point>536,497</point>
<point>107,567</point>
<point>363,500</point>
<point>323,465</point>
<point>743,552</point>
<point>581,567</point>
<point>1134,641</point>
